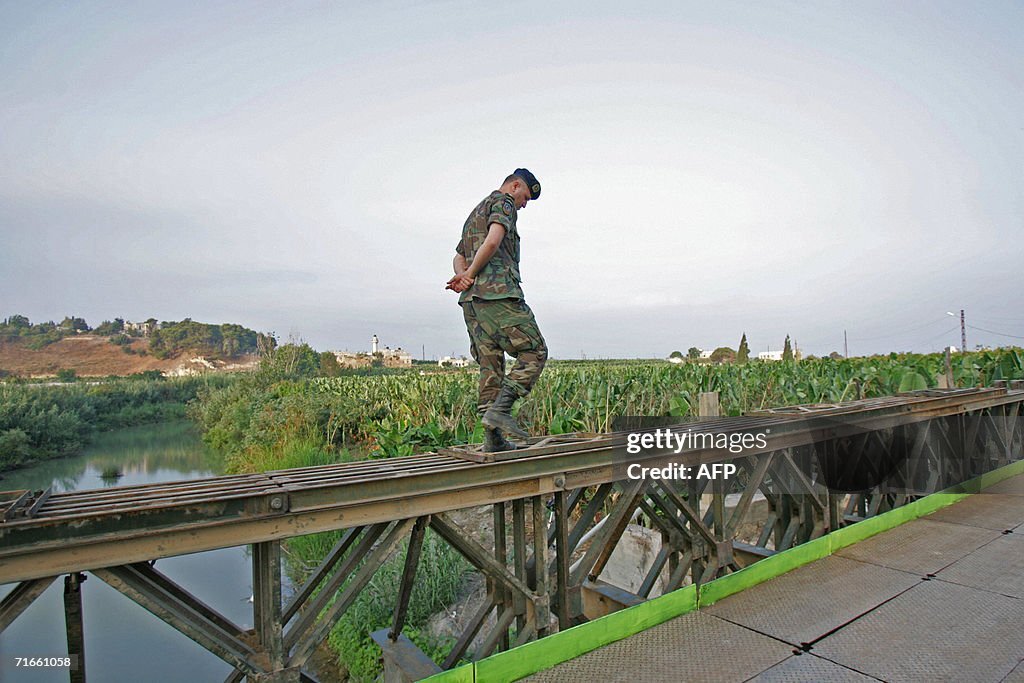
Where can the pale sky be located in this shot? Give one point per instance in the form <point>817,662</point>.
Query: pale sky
<point>707,168</point>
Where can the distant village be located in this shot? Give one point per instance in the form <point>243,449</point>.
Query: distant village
<point>389,357</point>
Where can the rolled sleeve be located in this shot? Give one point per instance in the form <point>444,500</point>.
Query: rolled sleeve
<point>503,212</point>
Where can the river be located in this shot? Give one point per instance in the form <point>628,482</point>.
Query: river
<point>124,642</point>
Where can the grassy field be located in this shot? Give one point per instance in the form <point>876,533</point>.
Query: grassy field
<point>255,419</point>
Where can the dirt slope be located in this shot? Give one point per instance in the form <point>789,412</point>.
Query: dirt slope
<point>92,356</point>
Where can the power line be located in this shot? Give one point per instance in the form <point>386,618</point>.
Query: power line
<point>1001,334</point>
<point>896,334</point>
<point>999,321</point>
<point>938,336</point>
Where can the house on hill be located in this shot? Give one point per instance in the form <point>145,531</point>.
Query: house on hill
<point>389,357</point>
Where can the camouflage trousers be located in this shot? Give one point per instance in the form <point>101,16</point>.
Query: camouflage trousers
<point>501,326</point>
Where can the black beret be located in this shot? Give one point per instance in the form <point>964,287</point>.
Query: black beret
<point>530,180</point>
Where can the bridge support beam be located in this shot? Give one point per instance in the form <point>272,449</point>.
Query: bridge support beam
<point>159,595</point>
<point>18,600</point>
<point>73,622</point>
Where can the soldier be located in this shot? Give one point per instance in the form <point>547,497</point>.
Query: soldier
<point>497,318</point>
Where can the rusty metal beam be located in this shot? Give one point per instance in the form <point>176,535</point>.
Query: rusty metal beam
<point>135,585</point>
<point>18,600</point>
<point>74,625</point>
<point>304,641</point>
<point>266,585</point>
<point>412,560</point>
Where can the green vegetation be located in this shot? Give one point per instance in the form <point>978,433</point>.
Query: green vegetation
<point>226,340</point>
<point>165,339</point>
<point>110,328</point>
<point>285,415</point>
<point>39,422</point>
<point>39,335</point>
<point>743,353</point>
<point>405,412</point>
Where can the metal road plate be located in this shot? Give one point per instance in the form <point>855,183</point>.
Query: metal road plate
<point>922,546</point>
<point>996,567</point>
<point>694,647</point>
<point>936,631</point>
<point>1013,485</point>
<point>807,667</point>
<point>808,602</point>
<point>985,510</point>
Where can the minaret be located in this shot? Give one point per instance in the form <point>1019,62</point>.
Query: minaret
<point>373,344</point>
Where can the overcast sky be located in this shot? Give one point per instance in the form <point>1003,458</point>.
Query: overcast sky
<point>707,168</point>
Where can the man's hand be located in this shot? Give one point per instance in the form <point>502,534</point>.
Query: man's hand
<point>460,283</point>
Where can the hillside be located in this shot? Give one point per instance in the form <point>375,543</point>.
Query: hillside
<point>94,356</point>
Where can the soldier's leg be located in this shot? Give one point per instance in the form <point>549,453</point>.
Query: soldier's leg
<point>487,354</point>
<point>517,334</point>
<point>526,344</point>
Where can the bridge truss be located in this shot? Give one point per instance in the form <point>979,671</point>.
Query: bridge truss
<point>558,510</point>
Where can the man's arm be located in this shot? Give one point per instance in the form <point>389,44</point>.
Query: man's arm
<point>465,277</point>
<point>495,234</point>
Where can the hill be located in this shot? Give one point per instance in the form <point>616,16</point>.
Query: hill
<point>94,356</point>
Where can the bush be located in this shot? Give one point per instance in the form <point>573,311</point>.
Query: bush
<point>14,448</point>
<point>66,375</point>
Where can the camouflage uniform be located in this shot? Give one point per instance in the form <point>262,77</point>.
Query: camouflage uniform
<point>497,317</point>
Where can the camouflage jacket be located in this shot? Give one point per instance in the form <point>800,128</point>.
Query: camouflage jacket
<point>500,278</point>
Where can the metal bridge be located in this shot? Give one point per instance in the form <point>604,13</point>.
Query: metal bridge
<point>562,505</point>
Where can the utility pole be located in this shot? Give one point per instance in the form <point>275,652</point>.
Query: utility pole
<point>963,333</point>
<point>846,347</point>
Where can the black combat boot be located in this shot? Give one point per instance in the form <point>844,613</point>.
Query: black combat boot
<point>495,441</point>
<point>499,415</point>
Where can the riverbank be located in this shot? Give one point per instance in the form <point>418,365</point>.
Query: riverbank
<point>39,423</point>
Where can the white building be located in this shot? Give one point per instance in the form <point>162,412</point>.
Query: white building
<point>450,361</point>
<point>770,355</point>
<point>393,357</point>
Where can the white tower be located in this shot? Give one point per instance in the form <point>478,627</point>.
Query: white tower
<point>373,344</point>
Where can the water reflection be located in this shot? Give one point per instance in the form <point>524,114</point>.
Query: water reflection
<point>144,455</point>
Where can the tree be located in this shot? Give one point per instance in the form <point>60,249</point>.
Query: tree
<point>676,354</point>
<point>293,361</point>
<point>110,327</point>
<point>329,365</point>
<point>723,354</point>
<point>693,353</point>
<point>75,324</point>
<point>835,355</point>
<point>743,355</point>
<point>787,350</point>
